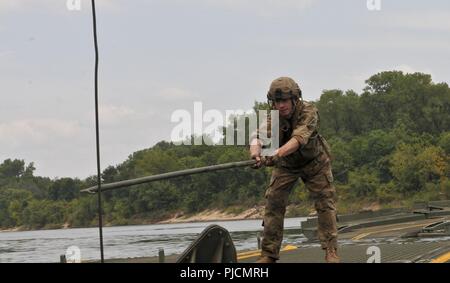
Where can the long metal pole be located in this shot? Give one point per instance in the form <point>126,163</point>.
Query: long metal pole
<point>99,181</point>
<point>164,176</point>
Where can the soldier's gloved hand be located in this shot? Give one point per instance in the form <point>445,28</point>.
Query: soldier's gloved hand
<point>255,153</point>
<point>259,162</point>
<point>271,160</point>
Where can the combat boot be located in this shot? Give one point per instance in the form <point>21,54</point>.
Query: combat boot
<point>266,259</point>
<point>331,256</point>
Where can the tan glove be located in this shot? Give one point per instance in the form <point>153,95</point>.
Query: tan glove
<point>270,161</point>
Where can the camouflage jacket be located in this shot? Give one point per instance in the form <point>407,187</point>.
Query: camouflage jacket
<point>303,126</point>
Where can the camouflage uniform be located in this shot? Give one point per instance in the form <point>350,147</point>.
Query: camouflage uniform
<point>311,163</point>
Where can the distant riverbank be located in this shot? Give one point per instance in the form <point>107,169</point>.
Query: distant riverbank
<point>229,214</point>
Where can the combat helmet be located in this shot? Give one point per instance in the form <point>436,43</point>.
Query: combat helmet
<point>284,88</point>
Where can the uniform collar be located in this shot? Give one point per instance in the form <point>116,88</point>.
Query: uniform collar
<point>294,117</point>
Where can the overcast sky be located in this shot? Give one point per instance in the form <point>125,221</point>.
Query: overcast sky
<point>161,55</point>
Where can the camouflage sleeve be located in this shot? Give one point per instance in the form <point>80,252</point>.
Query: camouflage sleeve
<point>307,124</point>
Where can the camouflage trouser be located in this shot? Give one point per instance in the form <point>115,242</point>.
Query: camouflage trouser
<point>318,180</point>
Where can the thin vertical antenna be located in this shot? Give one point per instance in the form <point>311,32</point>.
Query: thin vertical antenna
<point>99,193</point>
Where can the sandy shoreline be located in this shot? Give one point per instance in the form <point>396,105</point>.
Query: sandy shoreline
<point>216,215</point>
<point>16,229</point>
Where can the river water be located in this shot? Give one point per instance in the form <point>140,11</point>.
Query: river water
<point>129,241</point>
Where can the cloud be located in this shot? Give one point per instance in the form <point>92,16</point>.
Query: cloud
<point>112,112</point>
<point>7,6</point>
<point>260,7</point>
<point>174,94</point>
<point>399,41</point>
<point>36,131</point>
<point>417,20</point>
<point>6,53</point>
<point>265,8</point>
<point>111,115</point>
<point>295,4</point>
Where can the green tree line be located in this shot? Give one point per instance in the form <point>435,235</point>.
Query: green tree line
<point>390,146</point>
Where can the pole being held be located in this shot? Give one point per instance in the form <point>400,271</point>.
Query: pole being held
<point>170,175</point>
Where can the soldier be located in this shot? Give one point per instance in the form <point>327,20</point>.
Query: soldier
<point>303,154</point>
